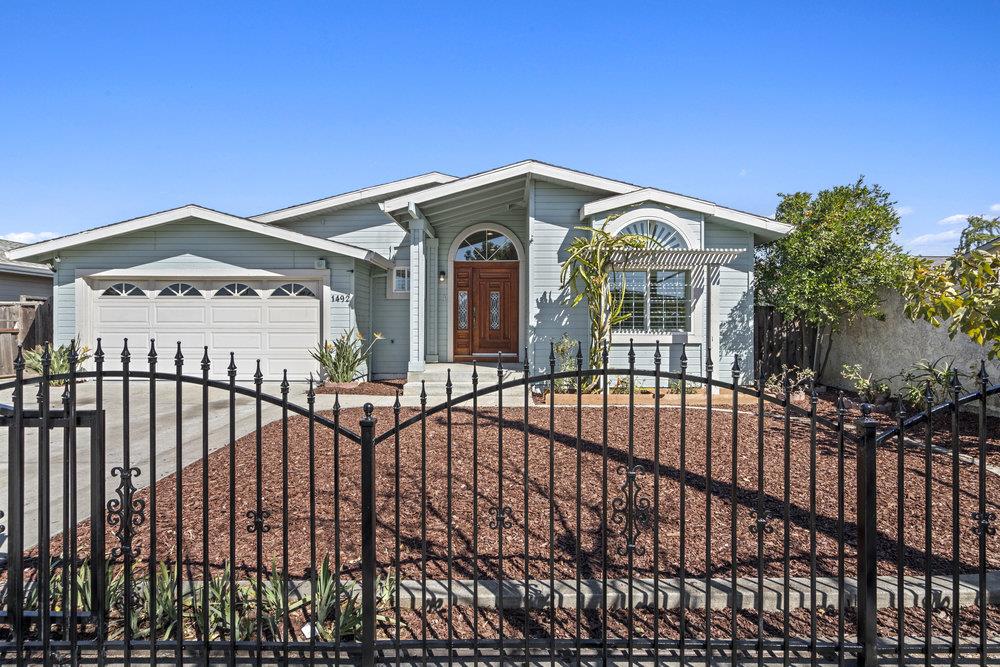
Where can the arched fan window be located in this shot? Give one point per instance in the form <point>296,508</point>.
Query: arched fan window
<point>179,289</point>
<point>654,301</point>
<point>662,236</point>
<point>236,289</point>
<point>292,289</point>
<point>123,289</point>
<point>486,246</point>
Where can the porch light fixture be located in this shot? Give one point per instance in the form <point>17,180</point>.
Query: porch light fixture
<point>441,276</point>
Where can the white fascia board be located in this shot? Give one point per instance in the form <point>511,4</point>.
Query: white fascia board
<point>539,170</point>
<point>26,270</point>
<point>53,246</point>
<point>766,226</point>
<point>354,197</point>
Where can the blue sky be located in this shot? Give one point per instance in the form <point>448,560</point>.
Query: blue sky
<point>113,110</point>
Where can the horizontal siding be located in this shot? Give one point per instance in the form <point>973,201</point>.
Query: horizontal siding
<point>556,214</point>
<point>732,302</point>
<point>193,246</point>
<point>391,318</point>
<point>14,285</point>
<point>365,226</point>
<point>670,359</point>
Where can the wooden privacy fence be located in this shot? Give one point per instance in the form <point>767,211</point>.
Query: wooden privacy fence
<point>27,323</point>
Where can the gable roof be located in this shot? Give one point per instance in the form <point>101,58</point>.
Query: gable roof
<point>355,197</point>
<point>759,224</point>
<point>399,207</point>
<point>48,248</point>
<point>8,265</point>
<point>501,185</point>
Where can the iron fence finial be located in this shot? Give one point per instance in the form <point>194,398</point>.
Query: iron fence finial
<point>205,363</point>
<point>19,359</point>
<point>258,376</point>
<point>152,352</point>
<point>232,366</point>
<point>179,357</point>
<point>284,383</point>
<point>552,356</point>
<point>99,353</point>
<point>126,355</point>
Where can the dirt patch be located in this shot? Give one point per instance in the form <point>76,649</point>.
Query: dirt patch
<point>388,387</point>
<point>433,470</point>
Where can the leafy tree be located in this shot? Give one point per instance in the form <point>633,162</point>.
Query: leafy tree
<point>832,266</point>
<point>587,273</point>
<point>963,291</point>
<point>978,231</point>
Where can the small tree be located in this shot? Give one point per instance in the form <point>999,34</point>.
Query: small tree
<point>832,266</point>
<point>963,291</point>
<point>587,273</point>
<point>978,232</point>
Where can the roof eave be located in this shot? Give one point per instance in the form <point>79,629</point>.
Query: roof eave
<point>397,207</point>
<point>51,247</point>
<point>765,227</point>
<point>353,198</point>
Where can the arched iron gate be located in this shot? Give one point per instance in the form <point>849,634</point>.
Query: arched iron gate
<point>706,526</point>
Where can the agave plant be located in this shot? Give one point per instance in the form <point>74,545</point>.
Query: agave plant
<point>341,359</point>
<point>221,604</point>
<point>336,607</point>
<point>272,601</point>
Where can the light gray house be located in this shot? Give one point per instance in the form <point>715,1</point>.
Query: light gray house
<point>20,279</point>
<point>447,269</point>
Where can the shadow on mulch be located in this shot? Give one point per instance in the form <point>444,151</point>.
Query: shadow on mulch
<point>449,491</point>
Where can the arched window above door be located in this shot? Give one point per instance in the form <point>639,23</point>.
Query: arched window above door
<point>486,246</point>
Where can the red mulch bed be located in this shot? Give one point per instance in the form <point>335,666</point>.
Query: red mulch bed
<point>388,387</point>
<point>415,552</point>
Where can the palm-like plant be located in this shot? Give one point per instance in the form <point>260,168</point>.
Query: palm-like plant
<point>592,260</point>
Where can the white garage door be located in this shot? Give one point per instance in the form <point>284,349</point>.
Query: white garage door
<point>274,321</point>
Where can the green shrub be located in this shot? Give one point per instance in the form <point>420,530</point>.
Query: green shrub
<point>870,389</point>
<point>341,359</point>
<point>59,363</point>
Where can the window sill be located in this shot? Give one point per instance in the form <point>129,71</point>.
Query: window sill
<point>642,338</point>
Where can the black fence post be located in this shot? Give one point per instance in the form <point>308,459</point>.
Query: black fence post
<point>867,538</point>
<point>368,536</point>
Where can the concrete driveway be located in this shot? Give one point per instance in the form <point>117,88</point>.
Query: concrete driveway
<point>139,437</point>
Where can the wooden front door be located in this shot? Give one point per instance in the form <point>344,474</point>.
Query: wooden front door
<point>484,314</point>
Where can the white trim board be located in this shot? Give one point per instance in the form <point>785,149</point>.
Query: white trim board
<point>48,248</point>
<point>354,197</point>
<point>766,227</point>
<point>399,207</point>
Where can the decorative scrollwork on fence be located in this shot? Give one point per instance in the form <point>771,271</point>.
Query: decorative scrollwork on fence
<point>984,524</point>
<point>501,517</point>
<point>258,521</point>
<point>761,523</point>
<point>3,527</point>
<point>632,511</point>
<point>126,512</point>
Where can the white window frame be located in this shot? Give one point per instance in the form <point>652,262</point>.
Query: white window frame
<point>647,311</point>
<point>390,281</point>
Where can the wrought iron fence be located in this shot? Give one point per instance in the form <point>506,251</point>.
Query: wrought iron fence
<point>686,518</point>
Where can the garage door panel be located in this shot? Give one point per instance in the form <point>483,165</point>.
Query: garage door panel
<point>240,314</point>
<point>236,341</point>
<point>279,331</point>
<point>299,313</point>
<point>291,340</point>
<point>139,314</point>
<point>166,313</point>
